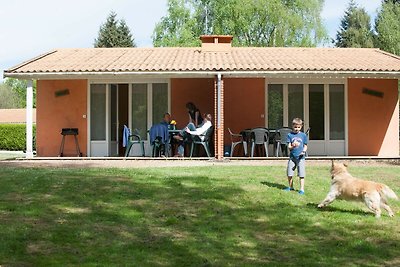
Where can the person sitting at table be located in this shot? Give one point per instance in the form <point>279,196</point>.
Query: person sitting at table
<point>190,129</point>
<point>159,132</point>
<point>166,119</point>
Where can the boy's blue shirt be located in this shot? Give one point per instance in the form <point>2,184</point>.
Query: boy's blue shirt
<point>299,137</point>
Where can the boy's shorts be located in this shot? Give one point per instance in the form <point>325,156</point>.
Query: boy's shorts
<point>301,167</point>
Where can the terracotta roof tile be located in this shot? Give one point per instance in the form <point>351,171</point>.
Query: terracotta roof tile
<point>194,59</point>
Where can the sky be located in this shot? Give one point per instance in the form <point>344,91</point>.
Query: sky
<point>30,28</point>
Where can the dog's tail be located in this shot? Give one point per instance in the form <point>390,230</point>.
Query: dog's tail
<point>387,192</point>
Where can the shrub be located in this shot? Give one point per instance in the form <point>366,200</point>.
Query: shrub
<point>13,136</point>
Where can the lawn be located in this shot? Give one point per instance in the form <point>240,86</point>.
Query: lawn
<point>198,216</point>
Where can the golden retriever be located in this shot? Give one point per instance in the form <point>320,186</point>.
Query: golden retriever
<point>345,186</point>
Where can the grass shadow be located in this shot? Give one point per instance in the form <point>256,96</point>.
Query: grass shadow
<point>270,184</point>
<point>336,209</point>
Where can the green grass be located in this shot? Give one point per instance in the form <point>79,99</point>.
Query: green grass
<point>214,216</point>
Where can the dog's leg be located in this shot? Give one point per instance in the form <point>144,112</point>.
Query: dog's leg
<point>328,200</point>
<point>373,203</point>
<point>387,208</point>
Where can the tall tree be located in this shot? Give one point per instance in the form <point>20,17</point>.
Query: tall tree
<point>114,33</point>
<point>355,28</point>
<point>178,28</point>
<point>18,89</point>
<point>251,22</point>
<point>387,27</point>
<point>9,98</point>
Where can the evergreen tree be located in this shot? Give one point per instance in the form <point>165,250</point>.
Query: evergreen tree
<point>114,33</point>
<point>387,27</point>
<point>355,28</point>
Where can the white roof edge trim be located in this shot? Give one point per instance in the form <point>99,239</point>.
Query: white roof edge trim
<point>87,75</point>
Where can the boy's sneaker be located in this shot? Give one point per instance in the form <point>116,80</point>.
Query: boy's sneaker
<point>288,189</point>
<point>301,192</point>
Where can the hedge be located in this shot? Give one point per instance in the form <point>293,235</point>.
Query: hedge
<point>13,137</point>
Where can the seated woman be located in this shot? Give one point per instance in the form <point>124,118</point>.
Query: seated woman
<point>190,129</point>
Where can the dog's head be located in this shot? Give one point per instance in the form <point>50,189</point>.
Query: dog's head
<point>337,168</point>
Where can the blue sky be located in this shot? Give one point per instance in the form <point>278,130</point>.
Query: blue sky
<point>30,28</point>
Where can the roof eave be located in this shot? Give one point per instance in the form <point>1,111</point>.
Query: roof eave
<point>205,74</point>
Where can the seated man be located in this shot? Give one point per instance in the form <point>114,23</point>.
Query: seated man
<point>190,129</point>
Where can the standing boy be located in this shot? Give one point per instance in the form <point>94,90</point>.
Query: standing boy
<point>297,144</point>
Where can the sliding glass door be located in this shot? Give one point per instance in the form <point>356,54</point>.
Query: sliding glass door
<point>322,108</point>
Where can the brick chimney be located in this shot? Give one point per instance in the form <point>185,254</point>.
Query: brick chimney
<point>216,43</point>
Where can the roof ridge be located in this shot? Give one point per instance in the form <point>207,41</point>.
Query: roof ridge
<point>13,68</point>
<point>387,53</point>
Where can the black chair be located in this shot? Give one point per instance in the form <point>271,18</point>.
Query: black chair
<point>196,140</point>
<point>237,139</point>
<point>133,139</point>
<point>280,141</point>
<point>259,137</point>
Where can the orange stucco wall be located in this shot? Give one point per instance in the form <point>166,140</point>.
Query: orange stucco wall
<point>198,91</point>
<point>373,121</point>
<point>57,112</point>
<point>244,104</point>
<point>244,101</point>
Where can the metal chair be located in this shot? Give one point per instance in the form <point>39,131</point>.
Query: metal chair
<point>133,139</point>
<point>280,141</point>
<point>259,136</point>
<point>237,139</point>
<point>196,140</point>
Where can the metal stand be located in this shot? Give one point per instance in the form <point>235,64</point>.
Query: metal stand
<point>69,131</point>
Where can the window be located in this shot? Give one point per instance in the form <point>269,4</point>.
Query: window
<point>317,112</point>
<point>98,112</point>
<point>275,106</point>
<point>139,108</point>
<point>295,102</point>
<point>336,112</point>
<point>159,101</point>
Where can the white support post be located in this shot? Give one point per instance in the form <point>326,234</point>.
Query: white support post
<point>29,119</point>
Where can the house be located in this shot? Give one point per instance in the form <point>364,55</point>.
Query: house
<point>348,96</point>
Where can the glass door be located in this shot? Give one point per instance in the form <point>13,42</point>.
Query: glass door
<point>103,120</point>
<point>322,108</point>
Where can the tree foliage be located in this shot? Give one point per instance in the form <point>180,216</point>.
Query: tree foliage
<point>13,93</point>
<point>387,27</point>
<point>355,28</point>
<point>114,33</point>
<point>251,22</point>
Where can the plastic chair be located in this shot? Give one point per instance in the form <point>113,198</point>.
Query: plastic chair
<point>196,140</point>
<point>280,141</point>
<point>133,139</point>
<point>237,139</point>
<point>259,136</point>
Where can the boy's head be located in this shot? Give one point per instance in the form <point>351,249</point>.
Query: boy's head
<point>297,124</point>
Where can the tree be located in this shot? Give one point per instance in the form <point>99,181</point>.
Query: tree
<point>17,92</point>
<point>387,27</point>
<point>114,33</point>
<point>8,98</point>
<point>178,28</point>
<point>355,28</point>
<point>252,23</point>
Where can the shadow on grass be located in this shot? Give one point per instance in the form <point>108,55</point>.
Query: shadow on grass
<point>156,218</point>
<point>278,186</point>
<point>335,209</point>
